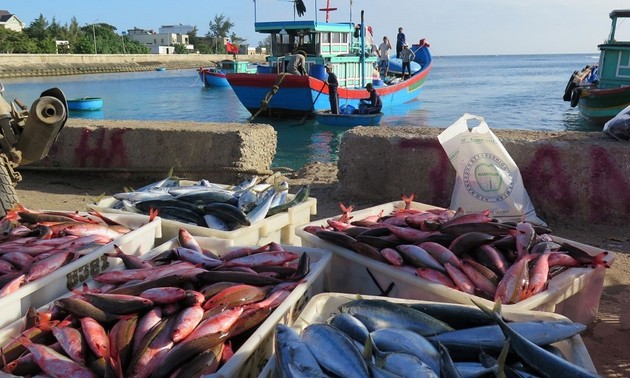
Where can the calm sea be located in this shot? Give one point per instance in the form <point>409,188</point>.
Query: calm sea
<point>509,91</point>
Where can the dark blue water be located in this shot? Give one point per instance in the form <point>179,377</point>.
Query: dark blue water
<point>510,92</point>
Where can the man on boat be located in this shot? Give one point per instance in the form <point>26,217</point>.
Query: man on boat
<point>372,104</point>
<point>297,63</point>
<point>333,83</point>
<point>384,50</point>
<point>400,41</point>
<point>407,56</point>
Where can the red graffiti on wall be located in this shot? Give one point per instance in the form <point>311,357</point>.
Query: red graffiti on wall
<point>438,175</point>
<point>609,186</point>
<point>101,148</point>
<point>545,178</point>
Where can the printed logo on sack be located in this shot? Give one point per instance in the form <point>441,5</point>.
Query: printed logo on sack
<point>487,178</point>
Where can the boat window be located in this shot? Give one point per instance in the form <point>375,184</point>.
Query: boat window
<point>622,32</point>
<point>336,37</point>
<point>325,37</point>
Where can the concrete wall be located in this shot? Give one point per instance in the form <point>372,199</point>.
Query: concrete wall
<point>195,150</point>
<point>27,65</point>
<point>570,176</point>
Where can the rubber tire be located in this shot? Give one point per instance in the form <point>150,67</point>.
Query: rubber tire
<point>8,195</point>
<point>575,97</point>
<point>568,90</point>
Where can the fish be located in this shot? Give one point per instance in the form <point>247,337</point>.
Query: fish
<point>293,358</point>
<point>334,351</point>
<point>376,314</point>
<point>491,338</point>
<point>54,363</point>
<point>389,340</point>
<point>418,257</point>
<point>349,325</point>
<point>536,358</point>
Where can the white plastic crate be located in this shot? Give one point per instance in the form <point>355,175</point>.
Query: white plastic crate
<point>279,228</point>
<point>253,354</point>
<point>45,289</point>
<point>322,306</point>
<point>574,293</point>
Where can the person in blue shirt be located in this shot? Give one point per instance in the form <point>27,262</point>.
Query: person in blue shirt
<point>333,83</point>
<point>400,41</point>
<point>374,103</point>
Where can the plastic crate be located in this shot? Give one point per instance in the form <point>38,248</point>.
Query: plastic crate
<point>574,293</point>
<point>323,305</point>
<point>45,289</point>
<point>279,228</point>
<point>253,354</point>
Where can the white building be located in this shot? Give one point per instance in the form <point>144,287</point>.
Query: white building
<point>10,21</point>
<point>159,43</point>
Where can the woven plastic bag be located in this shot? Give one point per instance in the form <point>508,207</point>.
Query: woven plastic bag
<point>487,177</point>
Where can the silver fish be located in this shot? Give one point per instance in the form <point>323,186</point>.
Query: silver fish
<point>377,314</point>
<point>407,365</point>
<point>293,358</point>
<point>405,341</point>
<point>334,351</point>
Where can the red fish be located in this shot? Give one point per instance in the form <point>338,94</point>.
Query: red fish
<point>53,363</point>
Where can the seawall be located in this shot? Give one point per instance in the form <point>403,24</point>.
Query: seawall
<point>28,65</point>
<point>571,177</point>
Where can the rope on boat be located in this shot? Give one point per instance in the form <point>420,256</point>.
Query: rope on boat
<point>268,96</point>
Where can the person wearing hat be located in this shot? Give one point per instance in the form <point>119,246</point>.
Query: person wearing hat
<point>333,83</point>
<point>407,56</point>
<point>297,63</point>
<point>400,41</point>
<point>374,103</point>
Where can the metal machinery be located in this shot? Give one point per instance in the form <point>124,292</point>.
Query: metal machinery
<point>26,137</point>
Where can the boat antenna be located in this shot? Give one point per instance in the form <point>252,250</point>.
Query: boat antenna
<point>362,60</point>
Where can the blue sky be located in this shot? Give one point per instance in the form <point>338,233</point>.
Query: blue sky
<point>452,27</point>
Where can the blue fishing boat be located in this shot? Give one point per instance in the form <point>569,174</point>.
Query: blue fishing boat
<point>348,120</point>
<point>85,104</point>
<point>160,69</point>
<point>602,90</point>
<point>216,76</point>
<point>273,92</point>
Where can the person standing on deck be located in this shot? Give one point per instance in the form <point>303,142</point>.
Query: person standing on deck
<point>333,83</point>
<point>297,63</point>
<point>384,49</point>
<point>400,41</point>
<point>407,56</point>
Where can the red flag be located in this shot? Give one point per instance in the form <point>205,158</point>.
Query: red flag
<point>231,48</point>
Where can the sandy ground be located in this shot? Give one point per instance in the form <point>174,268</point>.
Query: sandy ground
<point>605,338</point>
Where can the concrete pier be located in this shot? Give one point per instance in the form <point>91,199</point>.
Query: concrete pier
<point>571,177</point>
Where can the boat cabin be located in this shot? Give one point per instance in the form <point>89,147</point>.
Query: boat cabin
<point>335,43</point>
<point>614,59</point>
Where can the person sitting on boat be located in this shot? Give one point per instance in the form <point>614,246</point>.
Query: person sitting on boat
<point>384,49</point>
<point>372,104</point>
<point>407,56</point>
<point>297,63</point>
<point>333,83</point>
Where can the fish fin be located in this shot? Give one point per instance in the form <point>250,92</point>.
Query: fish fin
<point>502,358</point>
<point>368,348</point>
<point>153,213</point>
<point>97,199</point>
<point>408,200</point>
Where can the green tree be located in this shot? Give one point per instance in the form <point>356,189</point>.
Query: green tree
<point>219,29</point>
<point>15,42</point>
<point>180,48</point>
